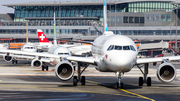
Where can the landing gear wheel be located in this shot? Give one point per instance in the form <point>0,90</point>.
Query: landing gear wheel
<point>47,68</point>
<point>140,81</point>
<point>149,81</point>
<point>12,61</point>
<point>122,85</point>
<point>117,85</point>
<point>75,80</point>
<point>83,80</point>
<point>42,67</point>
<point>16,61</point>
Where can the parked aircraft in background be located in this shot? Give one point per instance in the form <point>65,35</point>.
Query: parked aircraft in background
<point>29,47</point>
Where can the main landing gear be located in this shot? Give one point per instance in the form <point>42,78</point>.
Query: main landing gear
<point>45,66</point>
<point>146,79</point>
<point>119,84</point>
<point>14,61</point>
<point>80,78</point>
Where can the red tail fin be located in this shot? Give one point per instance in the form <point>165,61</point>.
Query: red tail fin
<point>42,37</point>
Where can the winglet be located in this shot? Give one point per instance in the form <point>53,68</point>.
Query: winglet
<point>42,37</point>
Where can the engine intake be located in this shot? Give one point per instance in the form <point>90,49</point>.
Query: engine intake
<point>166,72</point>
<point>7,58</point>
<point>64,70</point>
<point>36,63</point>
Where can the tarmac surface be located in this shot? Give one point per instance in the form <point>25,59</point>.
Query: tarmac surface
<point>22,82</point>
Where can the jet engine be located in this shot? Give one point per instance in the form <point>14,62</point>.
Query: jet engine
<point>36,63</point>
<point>166,72</point>
<point>64,70</point>
<point>7,58</point>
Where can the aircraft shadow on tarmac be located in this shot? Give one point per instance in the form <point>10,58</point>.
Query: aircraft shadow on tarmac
<point>107,85</point>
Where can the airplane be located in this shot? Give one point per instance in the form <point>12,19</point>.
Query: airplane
<point>111,53</point>
<point>29,47</point>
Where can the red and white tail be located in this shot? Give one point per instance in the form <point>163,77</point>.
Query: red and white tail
<point>42,37</point>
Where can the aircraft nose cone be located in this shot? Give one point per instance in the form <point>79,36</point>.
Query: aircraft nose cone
<point>120,61</point>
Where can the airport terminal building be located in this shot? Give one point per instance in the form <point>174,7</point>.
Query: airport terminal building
<point>83,19</point>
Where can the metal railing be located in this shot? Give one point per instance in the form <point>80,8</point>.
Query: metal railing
<point>51,23</point>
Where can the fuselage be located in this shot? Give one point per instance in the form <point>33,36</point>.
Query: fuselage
<point>114,53</point>
<point>29,47</point>
<point>58,50</point>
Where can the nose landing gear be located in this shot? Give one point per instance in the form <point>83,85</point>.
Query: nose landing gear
<point>119,84</point>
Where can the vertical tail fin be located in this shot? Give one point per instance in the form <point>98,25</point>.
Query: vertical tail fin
<point>42,37</point>
<point>105,17</point>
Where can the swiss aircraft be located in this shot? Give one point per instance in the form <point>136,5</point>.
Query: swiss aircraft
<point>111,53</point>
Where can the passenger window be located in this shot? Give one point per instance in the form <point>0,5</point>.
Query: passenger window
<point>118,48</point>
<point>132,48</point>
<point>126,48</point>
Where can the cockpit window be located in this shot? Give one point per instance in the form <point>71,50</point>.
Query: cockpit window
<point>63,53</point>
<point>111,47</point>
<point>118,48</point>
<point>132,48</point>
<point>60,53</point>
<point>66,54</point>
<point>126,48</point>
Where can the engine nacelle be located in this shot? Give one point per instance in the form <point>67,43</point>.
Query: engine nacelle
<point>64,70</point>
<point>7,58</point>
<point>36,63</point>
<point>166,72</point>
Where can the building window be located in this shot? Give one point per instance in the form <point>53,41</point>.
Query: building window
<point>151,17</point>
<point>163,17</point>
<point>156,17</point>
<point>136,20</point>
<point>119,19</point>
<point>146,17</point>
<point>131,19</point>
<point>141,19</point>
<point>168,17</point>
<point>125,19</point>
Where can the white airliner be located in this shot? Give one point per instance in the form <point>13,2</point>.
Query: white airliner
<point>111,53</point>
<point>29,47</point>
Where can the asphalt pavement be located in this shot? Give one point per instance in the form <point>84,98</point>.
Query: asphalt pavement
<point>23,82</point>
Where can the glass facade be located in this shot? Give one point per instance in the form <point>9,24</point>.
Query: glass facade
<point>93,32</point>
<point>90,10</point>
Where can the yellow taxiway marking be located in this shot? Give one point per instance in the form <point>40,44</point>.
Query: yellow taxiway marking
<point>138,95</point>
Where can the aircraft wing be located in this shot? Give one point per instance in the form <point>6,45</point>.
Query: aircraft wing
<point>19,52</point>
<point>159,59</point>
<point>89,60</point>
<point>22,56</point>
<point>87,42</point>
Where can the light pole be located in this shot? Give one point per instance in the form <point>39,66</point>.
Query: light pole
<point>176,24</point>
<point>115,18</point>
